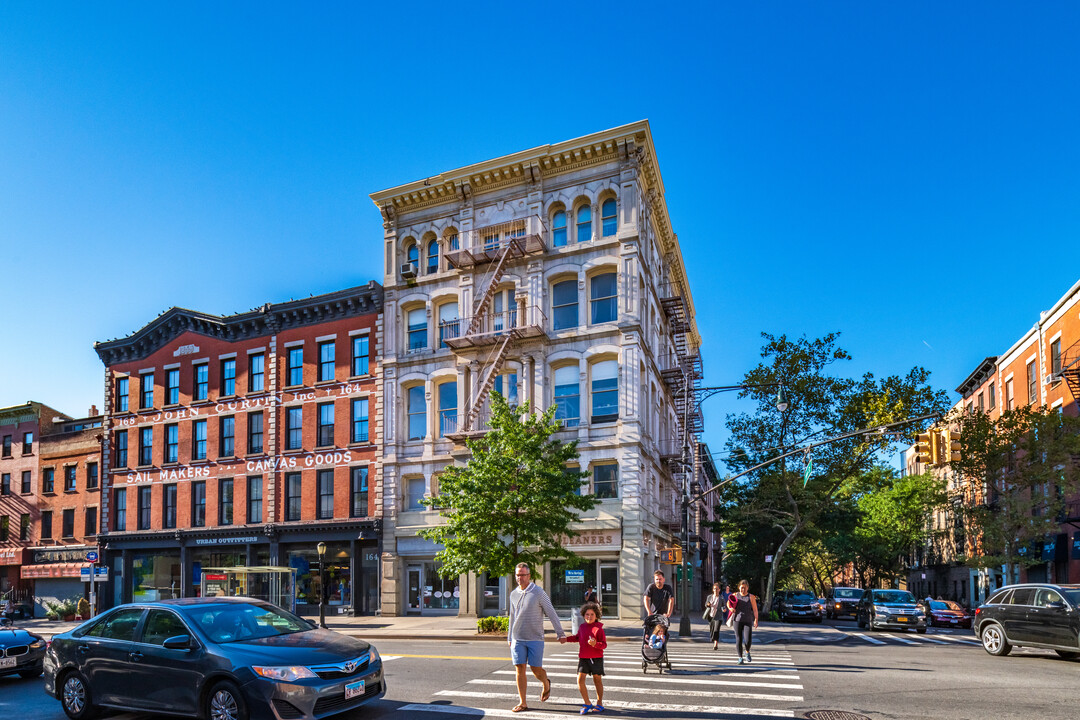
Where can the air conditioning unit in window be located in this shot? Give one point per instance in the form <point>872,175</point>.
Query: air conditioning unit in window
<point>408,271</point>
<point>1052,378</point>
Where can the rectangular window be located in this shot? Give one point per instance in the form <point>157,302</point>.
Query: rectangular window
<point>255,433</point>
<point>360,355</point>
<point>120,509</point>
<point>605,391</point>
<point>1055,356</point>
<point>172,386</point>
<point>567,396</point>
<point>46,525</point>
<point>225,501</point>
<point>254,499</point>
<point>47,480</point>
<point>146,446</point>
<point>146,391</point>
<point>228,376</point>
<point>5,484</point>
<point>5,529</point>
<point>448,414</point>
<point>415,488</point>
<point>25,489</point>
<point>70,478</point>
<point>256,372</point>
<point>198,504</point>
<point>7,446</point>
<point>91,476</point>
<point>294,433</point>
<point>982,403</point>
<point>360,420</point>
<point>172,443</point>
<point>417,322</point>
<point>27,443</point>
<point>558,229</point>
<point>198,440</point>
<point>121,394</point>
<point>296,366</point>
<point>24,527</point>
<point>608,218</point>
<point>603,298</point>
<point>449,323</point>
<point>144,507</point>
<point>293,489</point>
<point>90,521</point>
<point>202,381</point>
<point>358,478</point>
<point>227,436</point>
<point>325,435</point>
<point>564,305</point>
<point>606,481</point>
<point>1009,394</point>
<point>993,397</point>
<point>326,361</point>
<point>67,523</point>
<point>168,506</point>
<point>417,413</point>
<point>1033,383</point>
<point>326,494</point>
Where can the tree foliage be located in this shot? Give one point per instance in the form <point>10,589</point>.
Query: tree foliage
<point>822,404</point>
<point>1017,471</point>
<point>514,500</point>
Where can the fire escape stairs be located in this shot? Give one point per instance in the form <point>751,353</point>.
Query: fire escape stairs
<point>492,366</point>
<point>1070,369</point>
<point>482,301</point>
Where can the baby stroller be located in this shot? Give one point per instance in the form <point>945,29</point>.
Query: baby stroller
<point>649,654</point>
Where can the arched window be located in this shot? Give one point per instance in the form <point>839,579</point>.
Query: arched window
<point>564,305</point>
<point>558,229</point>
<point>417,323</point>
<point>448,417</point>
<point>412,254</point>
<point>452,242</point>
<point>608,221</point>
<point>449,324</point>
<point>433,257</point>
<point>603,298</point>
<point>417,411</point>
<point>567,396</point>
<point>584,224</point>
<point>605,391</point>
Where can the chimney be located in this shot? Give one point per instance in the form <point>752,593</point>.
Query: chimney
<point>93,411</point>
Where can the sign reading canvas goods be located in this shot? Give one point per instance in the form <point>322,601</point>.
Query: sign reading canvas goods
<point>330,458</point>
<point>595,540</point>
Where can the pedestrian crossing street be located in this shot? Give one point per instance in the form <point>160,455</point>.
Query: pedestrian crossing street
<point>904,638</point>
<point>702,683</point>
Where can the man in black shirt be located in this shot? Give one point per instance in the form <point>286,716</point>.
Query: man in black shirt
<point>659,597</point>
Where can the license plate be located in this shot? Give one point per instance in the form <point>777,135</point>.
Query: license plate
<point>354,689</point>
<point>8,662</point>
<point>901,619</point>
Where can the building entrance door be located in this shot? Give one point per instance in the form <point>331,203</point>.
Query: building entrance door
<point>414,585</point>
<point>609,590</point>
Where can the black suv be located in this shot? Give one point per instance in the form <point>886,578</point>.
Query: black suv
<point>884,609</point>
<point>1031,615</point>
<point>842,601</point>
<point>797,605</point>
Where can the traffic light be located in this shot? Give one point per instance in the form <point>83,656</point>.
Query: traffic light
<point>671,556</point>
<point>924,448</point>
<point>950,447</point>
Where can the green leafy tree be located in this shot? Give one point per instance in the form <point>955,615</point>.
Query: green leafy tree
<point>514,500</point>
<point>821,404</point>
<point>1017,471</point>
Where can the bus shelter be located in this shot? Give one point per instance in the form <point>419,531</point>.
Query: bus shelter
<point>275,585</point>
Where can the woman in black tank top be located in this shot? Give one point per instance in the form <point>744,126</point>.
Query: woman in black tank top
<point>746,620</point>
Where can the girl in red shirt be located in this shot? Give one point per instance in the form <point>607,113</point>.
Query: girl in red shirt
<point>591,644</point>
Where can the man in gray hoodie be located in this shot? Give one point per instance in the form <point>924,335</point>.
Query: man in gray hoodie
<point>528,605</point>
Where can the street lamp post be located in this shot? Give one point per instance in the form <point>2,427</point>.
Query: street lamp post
<point>321,547</point>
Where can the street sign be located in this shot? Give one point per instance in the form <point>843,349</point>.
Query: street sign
<point>807,470</point>
<point>91,557</point>
<point>575,577</point>
<point>101,574</point>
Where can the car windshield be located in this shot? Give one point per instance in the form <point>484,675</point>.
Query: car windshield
<point>235,622</point>
<point>941,605</point>
<point>802,595</point>
<point>953,606</point>
<point>847,593</point>
<point>893,596</point>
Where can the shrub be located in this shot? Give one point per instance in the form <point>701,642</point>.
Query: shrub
<point>63,608</point>
<point>82,609</point>
<point>495,624</point>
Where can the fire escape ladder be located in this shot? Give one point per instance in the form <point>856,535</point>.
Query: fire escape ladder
<point>481,303</point>
<point>1070,369</point>
<point>492,366</point>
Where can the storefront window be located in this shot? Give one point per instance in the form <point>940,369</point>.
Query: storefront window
<point>336,570</point>
<point>207,583</point>
<point>155,577</point>
<point>567,585</point>
<point>439,593</point>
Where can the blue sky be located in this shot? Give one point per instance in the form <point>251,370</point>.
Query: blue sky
<point>904,174</point>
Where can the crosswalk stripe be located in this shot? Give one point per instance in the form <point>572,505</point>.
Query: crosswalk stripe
<point>610,689</point>
<point>964,641</point>
<point>867,638</point>
<point>764,655</point>
<point>924,638</point>
<point>674,662</point>
<point>670,679</point>
<point>507,713</point>
<point>619,704</point>
<point>904,640</point>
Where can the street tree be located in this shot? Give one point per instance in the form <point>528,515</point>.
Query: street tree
<point>1016,472</point>
<point>514,500</point>
<point>822,403</point>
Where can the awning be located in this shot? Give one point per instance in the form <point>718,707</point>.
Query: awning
<point>52,570</point>
<point>12,556</point>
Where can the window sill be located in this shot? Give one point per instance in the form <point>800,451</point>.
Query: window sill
<point>141,468</point>
<point>365,376</point>
<point>324,383</point>
<point>301,386</point>
<point>361,444</point>
<point>230,396</point>
<point>171,406</point>
<point>257,394</point>
<point>145,409</point>
<point>201,401</point>
<point>96,488</point>
<point>70,492</point>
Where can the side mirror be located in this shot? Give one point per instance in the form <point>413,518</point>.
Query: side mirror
<point>179,642</point>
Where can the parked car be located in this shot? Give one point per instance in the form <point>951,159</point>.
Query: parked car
<point>216,658</point>
<point>945,613</point>
<point>797,605</point>
<point>21,652</point>
<point>1031,615</point>
<point>884,609</point>
<point>842,601</point>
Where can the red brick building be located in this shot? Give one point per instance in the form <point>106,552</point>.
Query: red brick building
<point>242,442</point>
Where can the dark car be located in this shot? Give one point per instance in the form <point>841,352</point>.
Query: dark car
<point>842,601</point>
<point>216,658</point>
<point>21,652</point>
<point>1031,615</point>
<point>945,613</point>
<point>890,609</point>
<point>797,605</point>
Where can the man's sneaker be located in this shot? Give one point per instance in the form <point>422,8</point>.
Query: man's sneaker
<point>741,660</point>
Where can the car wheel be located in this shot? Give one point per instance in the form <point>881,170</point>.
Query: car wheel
<point>1068,654</point>
<point>993,640</point>
<point>76,698</point>
<point>224,702</point>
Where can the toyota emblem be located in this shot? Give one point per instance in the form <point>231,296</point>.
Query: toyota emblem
<point>350,666</point>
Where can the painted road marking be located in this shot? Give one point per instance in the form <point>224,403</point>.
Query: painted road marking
<point>673,680</point>
<point>533,713</point>
<point>620,704</point>
<point>609,688</point>
<point>867,638</point>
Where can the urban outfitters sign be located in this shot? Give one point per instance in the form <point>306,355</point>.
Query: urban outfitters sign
<point>594,540</point>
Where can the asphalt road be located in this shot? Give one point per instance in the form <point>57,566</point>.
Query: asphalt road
<point>943,674</point>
